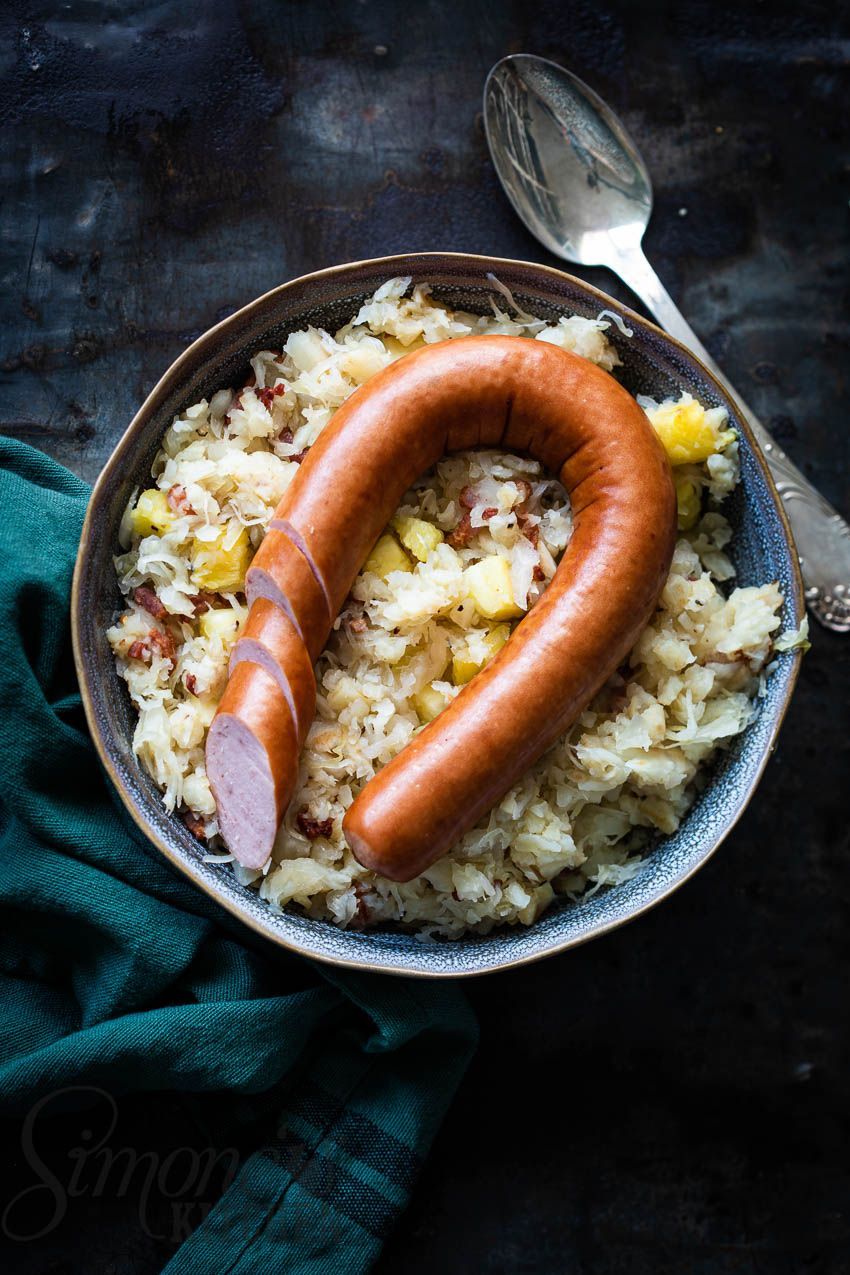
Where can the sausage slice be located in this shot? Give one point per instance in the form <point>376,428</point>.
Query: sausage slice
<point>252,762</point>
<point>282,574</point>
<point>270,640</point>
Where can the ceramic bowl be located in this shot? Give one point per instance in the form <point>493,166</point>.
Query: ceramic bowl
<point>651,363</point>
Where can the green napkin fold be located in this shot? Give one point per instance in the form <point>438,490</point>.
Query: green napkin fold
<point>118,974</point>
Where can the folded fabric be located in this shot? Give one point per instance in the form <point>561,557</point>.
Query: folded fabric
<point>116,973</point>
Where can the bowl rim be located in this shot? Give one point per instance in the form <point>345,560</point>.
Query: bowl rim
<point>394,264</point>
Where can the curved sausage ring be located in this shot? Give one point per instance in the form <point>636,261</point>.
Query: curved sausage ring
<point>512,393</point>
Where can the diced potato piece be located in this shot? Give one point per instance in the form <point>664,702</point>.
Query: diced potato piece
<point>428,703</point>
<point>152,513</point>
<point>687,436</point>
<point>397,348</point>
<point>687,503</point>
<point>489,584</point>
<point>387,556</point>
<point>540,900</point>
<point>218,569</point>
<point>464,668</point>
<point>465,665</point>
<point>420,537</point>
<point>497,638</point>
<point>221,623</point>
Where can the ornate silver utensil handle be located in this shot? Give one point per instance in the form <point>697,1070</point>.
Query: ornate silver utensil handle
<point>821,534</point>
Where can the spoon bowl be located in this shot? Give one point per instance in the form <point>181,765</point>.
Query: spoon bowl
<point>566,162</point>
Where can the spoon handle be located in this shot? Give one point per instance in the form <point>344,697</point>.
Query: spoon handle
<point>821,534</point>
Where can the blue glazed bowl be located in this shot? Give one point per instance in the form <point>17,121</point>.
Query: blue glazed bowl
<point>652,363</point>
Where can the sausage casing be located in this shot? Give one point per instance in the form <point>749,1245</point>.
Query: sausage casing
<point>281,574</point>
<point>271,640</point>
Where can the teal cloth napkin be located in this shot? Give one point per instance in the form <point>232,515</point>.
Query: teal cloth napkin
<point>116,973</point>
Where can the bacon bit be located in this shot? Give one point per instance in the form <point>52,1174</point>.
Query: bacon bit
<point>469,497</point>
<point>362,914</point>
<point>145,597</point>
<point>191,683</point>
<point>196,826</point>
<point>298,457</point>
<point>530,530</point>
<point>155,640</point>
<point>525,488</point>
<point>462,534</point>
<point>267,396</point>
<point>204,601</point>
<point>286,436</point>
<point>164,643</point>
<point>358,624</point>
<point>538,574</point>
<point>313,828</point>
<point>489,513</point>
<point>178,500</point>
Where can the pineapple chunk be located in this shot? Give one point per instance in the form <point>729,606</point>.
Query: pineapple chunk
<point>687,503</point>
<point>489,585</point>
<point>687,436</point>
<point>218,569</point>
<point>420,537</point>
<point>428,703</point>
<point>387,556</point>
<point>152,513</point>
<point>465,664</point>
<point>221,623</point>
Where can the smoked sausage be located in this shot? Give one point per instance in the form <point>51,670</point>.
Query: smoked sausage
<point>519,395</point>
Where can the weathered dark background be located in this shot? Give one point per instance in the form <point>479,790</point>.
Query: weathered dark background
<point>673,1099</point>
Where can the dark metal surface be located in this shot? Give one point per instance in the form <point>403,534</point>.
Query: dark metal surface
<point>674,1098</point>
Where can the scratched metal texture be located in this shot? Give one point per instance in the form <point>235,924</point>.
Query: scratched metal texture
<point>674,1098</point>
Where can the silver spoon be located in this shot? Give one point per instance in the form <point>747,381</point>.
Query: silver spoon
<point>577,180</point>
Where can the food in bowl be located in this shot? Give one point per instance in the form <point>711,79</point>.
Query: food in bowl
<point>496,391</point>
<point>470,550</point>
